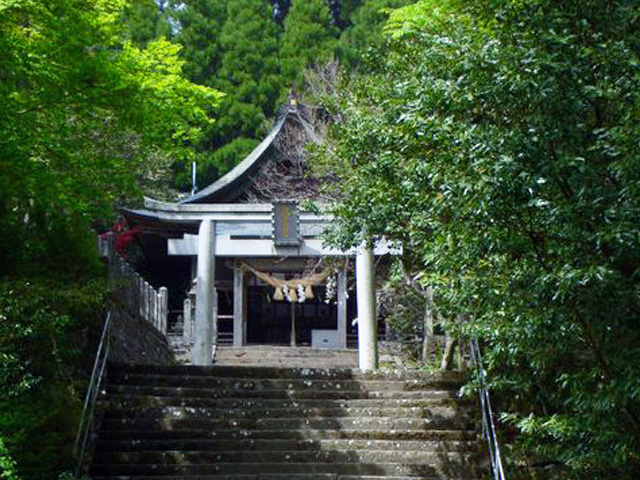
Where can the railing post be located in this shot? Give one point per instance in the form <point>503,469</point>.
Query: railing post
<point>133,293</point>
<point>145,299</point>
<point>110,253</point>
<point>163,301</point>
<point>136,295</point>
<point>140,294</point>
<point>150,294</point>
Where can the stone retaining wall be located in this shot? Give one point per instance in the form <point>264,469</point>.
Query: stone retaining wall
<point>135,341</point>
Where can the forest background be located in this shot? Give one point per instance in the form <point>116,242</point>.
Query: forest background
<point>498,141</point>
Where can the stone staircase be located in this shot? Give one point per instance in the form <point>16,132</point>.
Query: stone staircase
<point>277,356</point>
<point>259,423</point>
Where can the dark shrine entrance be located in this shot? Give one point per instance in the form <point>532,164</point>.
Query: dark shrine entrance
<point>266,299</point>
<point>272,322</point>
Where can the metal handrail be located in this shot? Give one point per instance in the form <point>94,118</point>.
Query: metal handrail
<point>86,427</point>
<point>488,423</point>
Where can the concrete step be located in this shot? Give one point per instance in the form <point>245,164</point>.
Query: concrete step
<point>252,444</point>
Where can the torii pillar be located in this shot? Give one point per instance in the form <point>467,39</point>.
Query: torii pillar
<point>206,301</point>
<point>366,300</point>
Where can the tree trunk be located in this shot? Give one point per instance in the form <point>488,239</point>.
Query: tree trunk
<point>427,339</point>
<point>447,358</point>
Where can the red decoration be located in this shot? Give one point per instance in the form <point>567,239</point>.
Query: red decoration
<point>124,234</point>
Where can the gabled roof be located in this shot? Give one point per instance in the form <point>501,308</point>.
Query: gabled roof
<point>230,186</point>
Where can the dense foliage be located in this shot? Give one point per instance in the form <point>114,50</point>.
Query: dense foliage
<point>86,119</point>
<point>45,334</point>
<point>254,51</point>
<point>498,141</point>
<point>309,38</point>
<point>249,74</point>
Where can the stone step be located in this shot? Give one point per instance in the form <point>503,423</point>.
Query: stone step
<point>305,362</point>
<point>214,393</point>
<point>123,434</point>
<point>284,356</point>
<point>368,423</point>
<point>262,476</point>
<point>137,445</point>
<point>117,401</point>
<point>260,423</point>
<point>452,470</point>
<point>245,383</point>
<point>167,458</point>
<point>279,372</point>
<point>438,411</point>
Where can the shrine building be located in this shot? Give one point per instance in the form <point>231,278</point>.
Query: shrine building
<point>245,262</point>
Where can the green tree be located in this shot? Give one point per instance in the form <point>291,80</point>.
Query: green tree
<point>249,75</point>
<point>346,9</point>
<point>7,465</point>
<point>309,38</point>
<point>200,23</point>
<point>147,21</point>
<point>498,142</point>
<point>242,61</point>
<point>249,69</point>
<point>81,112</point>
<point>365,27</point>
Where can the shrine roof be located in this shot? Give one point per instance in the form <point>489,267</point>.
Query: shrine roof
<point>231,185</point>
<point>220,199</point>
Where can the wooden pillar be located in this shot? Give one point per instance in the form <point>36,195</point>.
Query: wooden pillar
<point>342,309</point>
<point>239,308</point>
<point>366,298</point>
<point>205,324</point>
